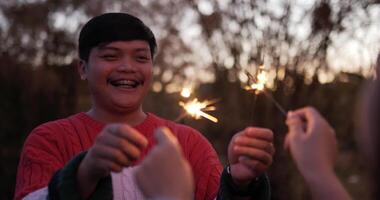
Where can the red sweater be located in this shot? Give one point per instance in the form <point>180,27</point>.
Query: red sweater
<point>51,145</point>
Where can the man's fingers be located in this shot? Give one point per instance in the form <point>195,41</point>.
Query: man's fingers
<point>254,165</point>
<point>106,163</point>
<point>129,133</point>
<point>259,133</point>
<point>112,155</point>
<point>310,115</point>
<point>305,112</point>
<point>255,143</point>
<point>295,123</point>
<point>256,154</point>
<point>131,150</point>
<point>114,167</point>
<point>312,118</point>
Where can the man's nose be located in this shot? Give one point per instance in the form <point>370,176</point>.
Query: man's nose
<point>126,65</point>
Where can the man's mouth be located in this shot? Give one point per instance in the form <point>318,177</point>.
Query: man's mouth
<point>126,83</point>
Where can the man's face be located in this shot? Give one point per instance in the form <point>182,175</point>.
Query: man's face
<point>119,75</point>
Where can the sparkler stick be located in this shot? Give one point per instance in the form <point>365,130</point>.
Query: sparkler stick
<point>180,117</point>
<point>279,107</point>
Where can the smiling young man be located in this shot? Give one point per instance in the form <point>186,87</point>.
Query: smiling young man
<point>93,154</point>
<point>119,76</point>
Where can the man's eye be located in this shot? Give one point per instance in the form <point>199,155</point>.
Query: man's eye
<point>142,58</point>
<point>109,57</point>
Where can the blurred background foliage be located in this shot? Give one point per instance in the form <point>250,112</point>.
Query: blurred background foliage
<point>317,52</point>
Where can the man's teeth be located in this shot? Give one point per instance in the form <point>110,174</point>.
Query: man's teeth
<point>125,83</point>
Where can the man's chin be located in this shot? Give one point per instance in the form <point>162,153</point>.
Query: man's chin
<point>128,107</point>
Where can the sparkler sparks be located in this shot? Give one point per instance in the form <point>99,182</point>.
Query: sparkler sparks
<point>197,109</point>
<point>258,83</point>
<point>186,92</point>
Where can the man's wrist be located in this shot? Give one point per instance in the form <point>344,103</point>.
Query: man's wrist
<point>86,182</point>
<point>316,177</point>
<point>258,188</point>
<point>64,184</point>
<point>239,183</point>
<point>240,188</point>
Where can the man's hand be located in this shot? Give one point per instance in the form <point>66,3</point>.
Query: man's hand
<point>250,154</point>
<point>311,141</point>
<point>117,146</point>
<point>165,173</point>
<point>313,146</point>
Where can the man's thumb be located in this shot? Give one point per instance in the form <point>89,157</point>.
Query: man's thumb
<point>287,142</point>
<point>294,123</point>
<point>164,135</point>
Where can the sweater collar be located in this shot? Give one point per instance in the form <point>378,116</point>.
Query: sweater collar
<point>146,124</point>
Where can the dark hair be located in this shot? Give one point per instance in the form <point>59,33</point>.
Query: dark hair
<point>111,27</point>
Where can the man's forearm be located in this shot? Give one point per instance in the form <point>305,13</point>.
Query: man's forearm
<point>326,186</point>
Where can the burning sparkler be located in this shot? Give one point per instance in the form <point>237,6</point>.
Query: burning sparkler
<point>195,108</point>
<point>258,85</point>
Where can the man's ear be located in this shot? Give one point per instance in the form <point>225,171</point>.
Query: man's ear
<point>82,69</point>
